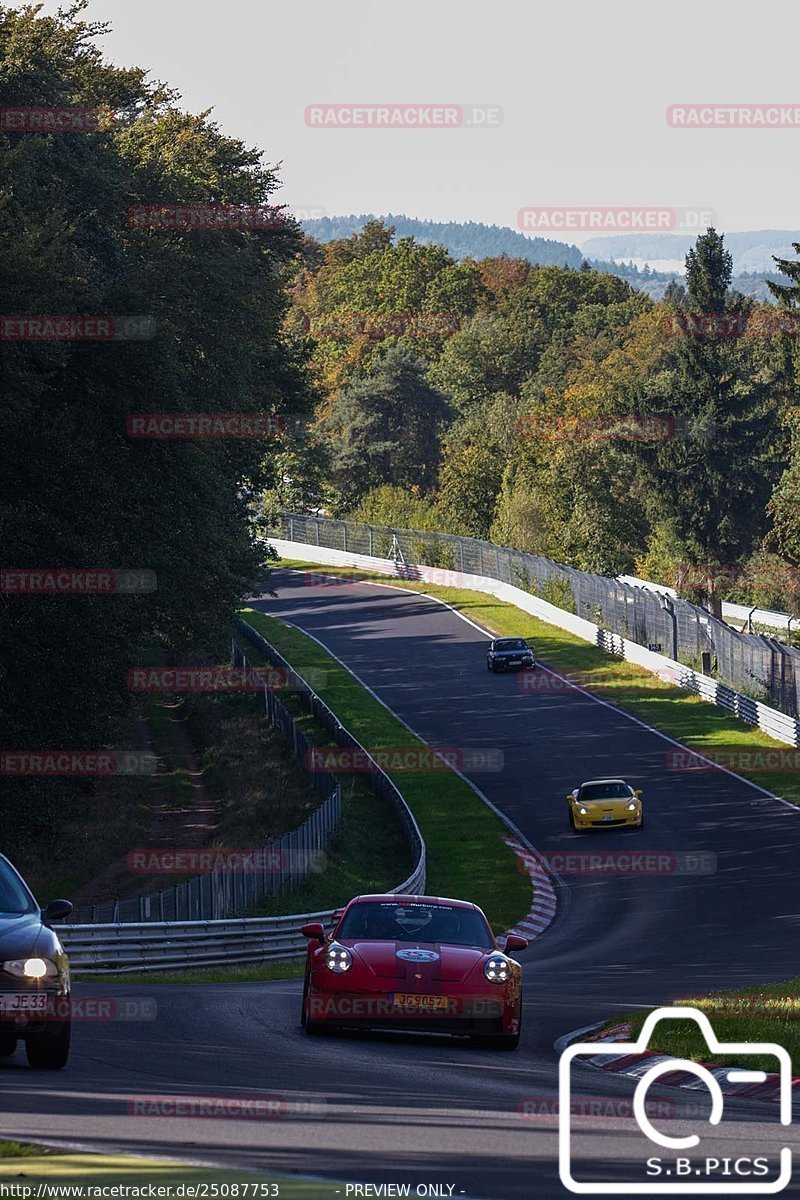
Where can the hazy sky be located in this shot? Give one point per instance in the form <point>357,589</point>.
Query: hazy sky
<point>583,87</point>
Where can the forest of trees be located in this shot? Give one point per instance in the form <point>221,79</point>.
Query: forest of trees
<point>507,430</point>
<point>488,396</point>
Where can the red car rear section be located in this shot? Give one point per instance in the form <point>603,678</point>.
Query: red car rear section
<point>443,971</point>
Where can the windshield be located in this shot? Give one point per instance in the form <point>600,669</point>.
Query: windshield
<point>14,899</point>
<point>389,921</point>
<point>511,644</point>
<point>614,790</point>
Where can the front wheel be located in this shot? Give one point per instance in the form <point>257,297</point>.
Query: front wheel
<point>49,1051</point>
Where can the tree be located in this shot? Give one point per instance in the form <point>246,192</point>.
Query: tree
<point>709,483</point>
<point>385,428</point>
<point>76,491</point>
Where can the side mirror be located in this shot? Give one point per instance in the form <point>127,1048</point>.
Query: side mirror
<point>638,792</point>
<point>515,942</point>
<point>571,796</point>
<point>314,931</point>
<point>56,910</point>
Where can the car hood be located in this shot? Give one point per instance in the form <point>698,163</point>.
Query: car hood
<point>21,936</point>
<point>451,964</point>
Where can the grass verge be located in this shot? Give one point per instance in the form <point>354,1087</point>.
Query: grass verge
<point>768,1012</point>
<point>467,853</point>
<point>694,722</point>
<point>43,1165</point>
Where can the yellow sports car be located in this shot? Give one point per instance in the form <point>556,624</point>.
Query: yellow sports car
<point>605,803</point>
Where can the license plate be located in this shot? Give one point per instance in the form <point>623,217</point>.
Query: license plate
<point>412,1000</point>
<point>608,816</point>
<point>23,1002</point>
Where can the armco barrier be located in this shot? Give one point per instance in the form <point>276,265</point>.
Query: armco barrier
<point>169,945</point>
<point>778,725</point>
<point>754,664</point>
<point>127,947</point>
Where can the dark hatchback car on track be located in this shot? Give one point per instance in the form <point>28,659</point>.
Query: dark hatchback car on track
<point>510,654</point>
<point>34,975</point>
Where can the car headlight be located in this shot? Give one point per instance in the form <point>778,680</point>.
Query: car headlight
<point>31,968</point>
<point>632,807</point>
<point>497,969</point>
<point>583,810</point>
<point>338,960</point>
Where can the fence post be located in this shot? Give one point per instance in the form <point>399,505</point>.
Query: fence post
<point>370,540</point>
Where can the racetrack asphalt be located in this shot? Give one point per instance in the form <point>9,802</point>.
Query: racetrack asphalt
<point>392,1108</point>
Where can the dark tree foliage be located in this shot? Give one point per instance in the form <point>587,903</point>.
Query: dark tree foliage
<point>76,490</point>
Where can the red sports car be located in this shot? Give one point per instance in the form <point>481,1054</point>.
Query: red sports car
<point>413,963</point>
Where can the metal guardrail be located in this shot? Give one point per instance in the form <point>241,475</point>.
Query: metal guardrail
<point>753,663</point>
<point>731,613</point>
<point>782,726</point>
<point>126,947</point>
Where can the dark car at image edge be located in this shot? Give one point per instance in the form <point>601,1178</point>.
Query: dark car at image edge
<point>34,975</point>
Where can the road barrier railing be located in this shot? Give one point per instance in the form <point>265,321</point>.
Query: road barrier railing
<point>782,726</point>
<point>752,663</point>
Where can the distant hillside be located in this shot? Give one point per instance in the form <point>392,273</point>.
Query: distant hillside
<point>752,251</point>
<point>475,240</point>
<point>469,240</point>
